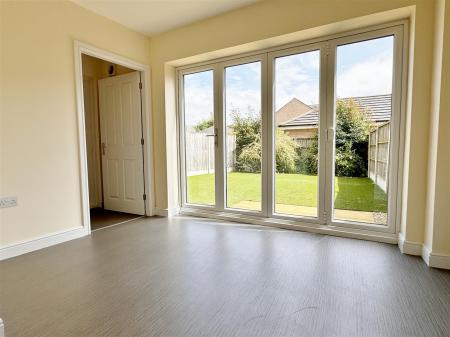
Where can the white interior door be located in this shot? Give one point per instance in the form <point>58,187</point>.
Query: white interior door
<point>121,137</point>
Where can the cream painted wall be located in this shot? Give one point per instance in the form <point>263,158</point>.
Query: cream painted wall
<point>256,26</point>
<point>39,139</point>
<point>437,231</point>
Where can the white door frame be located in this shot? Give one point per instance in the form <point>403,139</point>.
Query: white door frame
<point>81,48</point>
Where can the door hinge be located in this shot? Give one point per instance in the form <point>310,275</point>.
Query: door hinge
<point>142,141</point>
<point>144,196</point>
<point>140,85</point>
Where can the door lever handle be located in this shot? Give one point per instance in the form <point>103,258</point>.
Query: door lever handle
<point>216,137</point>
<point>103,148</point>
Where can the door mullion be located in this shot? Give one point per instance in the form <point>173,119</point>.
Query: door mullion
<point>219,124</point>
<point>322,132</point>
<point>266,126</point>
<point>328,137</point>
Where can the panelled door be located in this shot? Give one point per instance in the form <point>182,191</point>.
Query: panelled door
<point>309,134</point>
<point>121,143</point>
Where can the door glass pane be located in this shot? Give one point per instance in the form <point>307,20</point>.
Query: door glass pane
<point>199,137</point>
<point>243,136</point>
<point>362,130</point>
<point>296,119</point>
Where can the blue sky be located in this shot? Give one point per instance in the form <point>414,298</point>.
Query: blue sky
<point>362,69</point>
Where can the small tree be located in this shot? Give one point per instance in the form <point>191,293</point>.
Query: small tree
<point>352,134</point>
<point>286,152</point>
<point>307,159</point>
<point>247,129</point>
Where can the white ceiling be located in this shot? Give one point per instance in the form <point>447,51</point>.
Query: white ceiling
<point>151,17</point>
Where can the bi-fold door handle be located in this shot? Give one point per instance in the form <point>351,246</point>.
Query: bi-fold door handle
<point>103,148</point>
<point>216,137</point>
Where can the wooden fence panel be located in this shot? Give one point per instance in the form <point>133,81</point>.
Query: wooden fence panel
<point>200,153</point>
<point>378,165</point>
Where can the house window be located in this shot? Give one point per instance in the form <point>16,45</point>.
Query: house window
<point>308,133</point>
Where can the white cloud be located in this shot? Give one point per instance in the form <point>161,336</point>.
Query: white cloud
<point>198,103</point>
<point>370,77</point>
<point>297,76</point>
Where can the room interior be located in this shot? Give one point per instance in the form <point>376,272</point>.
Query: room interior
<point>270,167</point>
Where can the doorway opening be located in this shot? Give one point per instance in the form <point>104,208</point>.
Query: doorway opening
<point>114,142</point>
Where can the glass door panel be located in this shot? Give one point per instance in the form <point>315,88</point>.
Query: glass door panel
<point>296,133</point>
<point>363,111</point>
<point>199,137</point>
<point>242,88</point>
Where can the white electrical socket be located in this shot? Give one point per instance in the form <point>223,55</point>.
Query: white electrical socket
<point>8,202</point>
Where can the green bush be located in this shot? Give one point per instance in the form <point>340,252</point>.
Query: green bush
<point>286,153</point>
<point>247,129</point>
<point>307,158</point>
<point>204,124</point>
<point>249,159</point>
<point>352,135</point>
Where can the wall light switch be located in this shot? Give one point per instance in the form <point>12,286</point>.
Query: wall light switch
<point>8,202</point>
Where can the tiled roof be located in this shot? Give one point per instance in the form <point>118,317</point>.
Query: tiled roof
<point>378,108</point>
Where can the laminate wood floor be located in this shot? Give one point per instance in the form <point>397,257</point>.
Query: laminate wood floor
<point>196,277</point>
<point>101,218</point>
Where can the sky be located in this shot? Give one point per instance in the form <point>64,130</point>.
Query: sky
<point>362,69</point>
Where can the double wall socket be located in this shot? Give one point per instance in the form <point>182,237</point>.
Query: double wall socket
<point>8,202</point>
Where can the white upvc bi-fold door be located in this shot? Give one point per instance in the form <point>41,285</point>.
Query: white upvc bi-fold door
<point>309,134</point>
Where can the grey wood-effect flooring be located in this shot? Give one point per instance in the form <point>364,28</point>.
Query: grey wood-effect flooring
<point>198,277</point>
<point>101,218</point>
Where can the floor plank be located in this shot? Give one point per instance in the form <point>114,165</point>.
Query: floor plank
<point>197,277</point>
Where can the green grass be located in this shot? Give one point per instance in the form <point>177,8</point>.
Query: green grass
<point>359,194</point>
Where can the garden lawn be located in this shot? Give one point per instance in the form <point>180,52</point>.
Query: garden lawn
<point>358,194</point>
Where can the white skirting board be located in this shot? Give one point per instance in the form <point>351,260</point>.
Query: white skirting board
<point>416,248</point>
<point>26,246</point>
<point>409,247</point>
<point>166,212</point>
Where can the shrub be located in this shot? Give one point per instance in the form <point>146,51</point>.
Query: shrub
<point>286,153</point>
<point>352,135</point>
<point>250,158</point>
<point>307,159</point>
<point>247,129</point>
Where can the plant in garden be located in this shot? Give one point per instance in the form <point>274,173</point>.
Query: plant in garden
<point>307,157</point>
<point>204,124</point>
<point>286,152</point>
<point>352,134</point>
<point>247,129</point>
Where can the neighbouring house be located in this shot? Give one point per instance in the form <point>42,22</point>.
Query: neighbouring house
<point>301,121</point>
